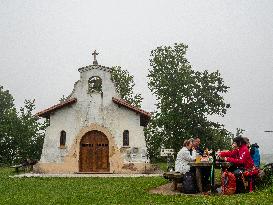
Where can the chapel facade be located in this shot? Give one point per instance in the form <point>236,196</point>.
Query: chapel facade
<point>94,130</point>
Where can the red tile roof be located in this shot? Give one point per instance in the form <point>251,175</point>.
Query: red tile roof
<point>124,103</point>
<point>45,113</point>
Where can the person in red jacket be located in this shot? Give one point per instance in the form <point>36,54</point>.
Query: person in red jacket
<point>241,159</point>
<point>240,155</point>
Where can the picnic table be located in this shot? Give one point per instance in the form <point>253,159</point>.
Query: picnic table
<point>177,177</point>
<point>206,164</point>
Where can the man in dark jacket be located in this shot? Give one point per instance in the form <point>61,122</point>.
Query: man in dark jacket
<point>196,145</point>
<point>205,171</point>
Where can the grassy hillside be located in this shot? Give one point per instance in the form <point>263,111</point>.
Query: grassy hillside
<point>107,191</point>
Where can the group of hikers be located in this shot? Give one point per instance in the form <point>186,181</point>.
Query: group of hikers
<point>243,160</point>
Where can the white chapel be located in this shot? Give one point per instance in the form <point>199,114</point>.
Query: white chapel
<point>94,130</point>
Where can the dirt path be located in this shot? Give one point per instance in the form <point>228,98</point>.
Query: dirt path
<point>167,189</point>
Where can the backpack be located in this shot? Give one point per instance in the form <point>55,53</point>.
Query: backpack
<point>228,183</point>
<point>188,183</point>
<point>255,154</point>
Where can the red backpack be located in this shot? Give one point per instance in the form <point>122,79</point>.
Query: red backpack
<point>228,183</point>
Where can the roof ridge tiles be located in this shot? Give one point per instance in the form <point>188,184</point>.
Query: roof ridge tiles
<point>45,113</point>
<point>126,104</point>
<point>90,67</point>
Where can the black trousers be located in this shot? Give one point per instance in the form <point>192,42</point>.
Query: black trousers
<point>240,186</point>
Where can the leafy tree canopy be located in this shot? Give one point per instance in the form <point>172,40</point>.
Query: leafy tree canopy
<point>6,101</point>
<point>21,134</point>
<point>124,83</point>
<point>185,99</point>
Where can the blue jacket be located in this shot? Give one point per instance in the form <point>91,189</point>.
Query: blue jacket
<point>255,154</point>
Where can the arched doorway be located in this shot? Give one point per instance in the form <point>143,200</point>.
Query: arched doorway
<point>94,152</point>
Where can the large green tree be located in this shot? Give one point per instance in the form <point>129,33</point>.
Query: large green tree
<point>185,99</point>
<point>21,134</point>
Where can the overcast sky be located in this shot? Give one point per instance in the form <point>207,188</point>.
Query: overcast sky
<point>43,43</point>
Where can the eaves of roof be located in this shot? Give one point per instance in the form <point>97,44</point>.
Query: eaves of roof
<point>127,105</point>
<point>46,113</point>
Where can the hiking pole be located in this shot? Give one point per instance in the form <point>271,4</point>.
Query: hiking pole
<point>212,172</point>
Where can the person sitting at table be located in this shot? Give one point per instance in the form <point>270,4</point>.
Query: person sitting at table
<point>240,158</point>
<point>184,157</point>
<point>205,171</point>
<point>196,145</point>
<point>240,155</point>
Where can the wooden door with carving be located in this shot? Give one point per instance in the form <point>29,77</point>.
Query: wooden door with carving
<point>94,152</point>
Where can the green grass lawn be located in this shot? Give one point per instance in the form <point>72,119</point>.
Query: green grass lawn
<point>107,191</point>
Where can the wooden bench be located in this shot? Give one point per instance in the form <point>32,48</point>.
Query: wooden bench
<point>25,166</point>
<point>19,166</point>
<point>176,178</point>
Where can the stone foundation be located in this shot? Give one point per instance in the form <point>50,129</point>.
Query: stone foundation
<point>69,168</point>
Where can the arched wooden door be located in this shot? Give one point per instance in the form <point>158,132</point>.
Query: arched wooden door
<point>94,152</point>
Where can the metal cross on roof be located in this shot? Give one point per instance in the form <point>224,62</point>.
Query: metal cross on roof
<point>95,62</point>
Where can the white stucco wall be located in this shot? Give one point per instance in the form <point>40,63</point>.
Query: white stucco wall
<point>96,108</point>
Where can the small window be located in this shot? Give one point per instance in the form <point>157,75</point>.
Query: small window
<point>126,138</point>
<point>94,84</point>
<point>62,139</point>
